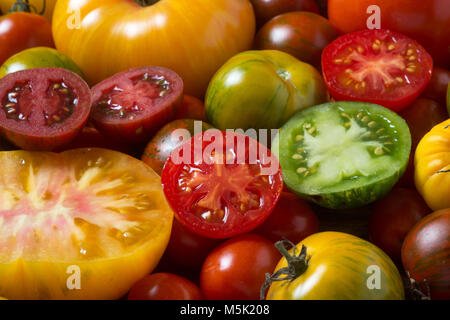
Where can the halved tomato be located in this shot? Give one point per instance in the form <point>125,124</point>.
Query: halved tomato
<point>377,66</point>
<point>221,184</point>
<point>82,224</point>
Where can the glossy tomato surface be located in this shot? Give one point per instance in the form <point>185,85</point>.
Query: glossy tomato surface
<point>236,269</point>
<point>377,66</point>
<point>222,184</point>
<point>428,22</point>
<point>193,38</point>
<point>88,219</point>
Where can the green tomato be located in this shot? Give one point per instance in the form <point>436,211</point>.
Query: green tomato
<point>38,57</point>
<point>262,90</point>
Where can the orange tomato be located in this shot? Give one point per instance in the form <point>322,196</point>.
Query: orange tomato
<point>193,38</point>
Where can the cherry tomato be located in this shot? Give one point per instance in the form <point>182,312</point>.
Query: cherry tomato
<point>377,66</point>
<point>191,108</point>
<point>23,30</point>
<point>236,269</point>
<point>165,286</point>
<point>221,184</point>
<point>393,217</point>
<point>437,88</point>
<point>292,219</point>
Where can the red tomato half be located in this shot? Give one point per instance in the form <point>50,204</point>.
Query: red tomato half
<point>221,184</point>
<point>376,66</point>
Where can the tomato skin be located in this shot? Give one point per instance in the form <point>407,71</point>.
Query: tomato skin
<point>292,219</point>
<point>236,269</point>
<point>301,34</point>
<point>437,88</point>
<point>425,253</point>
<point>393,217</point>
<point>432,165</point>
<point>215,29</point>
<point>164,286</point>
<point>337,270</point>
<point>6,5</point>
<point>22,30</point>
<point>430,26</point>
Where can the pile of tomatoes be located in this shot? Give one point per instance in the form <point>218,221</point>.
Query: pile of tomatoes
<point>180,149</point>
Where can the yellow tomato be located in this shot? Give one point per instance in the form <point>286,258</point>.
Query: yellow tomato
<point>37,6</point>
<point>82,224</point>
<point>432,167</point>
<point>192,37</point>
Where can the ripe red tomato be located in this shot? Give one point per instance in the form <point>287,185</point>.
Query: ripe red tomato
<point>23,30</point>
<point>221,184</point>
<point>236,269</point>
<point>425,253</point>
<point>377,66</point>
<point>301,34</point>
<point>191,108</point>
<point>428,21</point>
<point>393,217</point>
<point>292,219</point>
<point>165,286</point>
<point>437,88</point>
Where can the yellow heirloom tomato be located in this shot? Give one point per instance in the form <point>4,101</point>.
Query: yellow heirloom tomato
<point>432,167</point>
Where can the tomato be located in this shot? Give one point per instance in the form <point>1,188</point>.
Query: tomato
<point>292,219</point>
<point>93,213</point>
<point>393,217</point>
<point>432,166</point>
<point>169,138</point>
<point>301,34</point>
<point>221,184</point>
<point>36,6</point>
<point>165,286</point>
<point>343,155</point>
<point>236,269</point>
<point>289,85</point>
<point>421,116</point>
<point>267,9</point>
<point>425,254</point>
<point>22,30</point>
<point>133,105</point>
<point>437,88</point>
<point>335,266</point>
<point>425,21</point>
<point>193,38</point>
<point>192,108</point>
<point>39,57</point>
<point>43,108</point>
<point>377,66</point>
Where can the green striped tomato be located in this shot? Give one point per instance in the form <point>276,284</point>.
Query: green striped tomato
<point>261,90</point>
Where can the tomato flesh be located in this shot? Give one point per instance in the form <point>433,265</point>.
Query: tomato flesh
<point>377,66</point>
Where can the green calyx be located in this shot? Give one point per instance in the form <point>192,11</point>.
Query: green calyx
<point>25,6</point>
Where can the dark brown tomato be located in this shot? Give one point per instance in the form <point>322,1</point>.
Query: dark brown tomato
<point>191,108</point>
<point>133,105</point>
<point>43,108</point>
<point>168,138</point>
<point>301,34</point>
<point>437,88</point>
<point>426,254</point>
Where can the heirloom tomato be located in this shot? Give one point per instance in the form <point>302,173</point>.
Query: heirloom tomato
<point>432,167</point>
<point>261,90</point>
<point>425,21</point>
<point>193,38</point>
<point>42,7</point>
<point>426,254</point>
<point>191,108</point>
<point>91,219</point>
<point>334,266</point>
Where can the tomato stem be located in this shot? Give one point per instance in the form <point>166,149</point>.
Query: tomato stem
<point>297,265</point>
<point>25,6</point>
<point>145,3</point>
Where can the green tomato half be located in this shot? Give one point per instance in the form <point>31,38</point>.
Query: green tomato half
<point>262,90</point>
<point>38,57</point>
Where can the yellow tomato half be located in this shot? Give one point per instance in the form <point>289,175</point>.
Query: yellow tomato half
<point>432,167</point>
<point>192,37</point>
<point>83,224</point>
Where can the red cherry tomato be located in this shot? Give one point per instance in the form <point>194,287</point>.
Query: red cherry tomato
<point>377,66</point>
<point>191,108</point>
<point>393,217</point>
<point>165,286</point>
<point>236,269</point>
<point>292,219</point>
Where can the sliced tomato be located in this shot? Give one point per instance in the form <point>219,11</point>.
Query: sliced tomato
<point>43,108</point>
<point>377,66</point>
<point>134,104</point>
<point>219,185</point>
